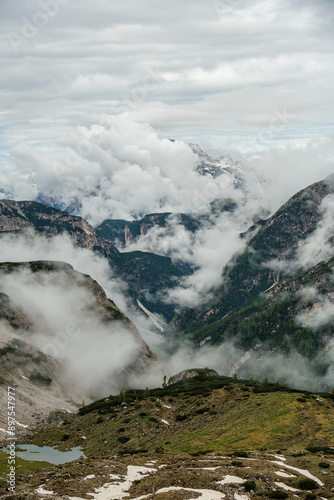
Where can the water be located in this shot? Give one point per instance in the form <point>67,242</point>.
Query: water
<point>46,454</point>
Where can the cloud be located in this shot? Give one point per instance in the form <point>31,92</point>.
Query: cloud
<point>318,246</point>
<point>67,327</point>
<point>320,313</point>
<point>292,369</point>
<point>116,168</point>
<point>206,251</point>
<point>223,66</point>
<point>29,246</point>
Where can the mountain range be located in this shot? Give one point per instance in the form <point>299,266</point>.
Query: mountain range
<point>270,304</point>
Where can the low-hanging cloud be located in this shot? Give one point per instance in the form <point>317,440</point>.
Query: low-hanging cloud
<point>66,327</point>
<point>317,246</point>
<point>29,245</point>
<point>206,250</point>
<point>321,312</point>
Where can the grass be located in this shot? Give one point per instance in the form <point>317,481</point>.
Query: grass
<point>23,469</point>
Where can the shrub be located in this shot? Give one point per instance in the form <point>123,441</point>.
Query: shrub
<point>123,439</point>
<point>249,485</point>
<point>202,410</point>
<point>241,454</point>
<point>307,484</point>
<point>324,465</point>
<point>181,417</point>
<point>278,494</point>
<point>325,449</point>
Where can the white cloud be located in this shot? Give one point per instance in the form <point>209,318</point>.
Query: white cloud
<point>220,68</point>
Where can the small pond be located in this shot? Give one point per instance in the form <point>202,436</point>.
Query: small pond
<point>46,454</point>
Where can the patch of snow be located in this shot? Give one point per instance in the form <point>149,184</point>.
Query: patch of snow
<point>110,490</point>
<point>166,406</point>
<point>91,476</point>
<point>41,491</point>
<point>279,457</point>
<point>165,422</point>
<point>205,468</point>
<point>305,473</point>
<point>231,480</point>
<point>240,497</point>
<point>115,477</point>
<point>25,378</point>
<point>284,474</point>
<point>285,486</point>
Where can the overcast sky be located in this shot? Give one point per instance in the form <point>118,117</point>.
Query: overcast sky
<point>226,71</point>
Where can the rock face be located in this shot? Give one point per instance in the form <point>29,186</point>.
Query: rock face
<point>50,339</point>
<point>145,273</point>
<point>191,373</point>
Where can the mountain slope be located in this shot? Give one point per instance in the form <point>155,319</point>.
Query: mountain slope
<point>62,339</point>
<point>262,289</point>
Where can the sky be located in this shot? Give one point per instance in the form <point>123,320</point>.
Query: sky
<point>230,72</point>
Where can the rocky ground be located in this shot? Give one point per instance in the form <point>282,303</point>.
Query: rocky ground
<point>164,476</point>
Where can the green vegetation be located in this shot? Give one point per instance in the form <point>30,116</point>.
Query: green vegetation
<point>307,484</point>
<point>278,494</point>
<point>23,467</point>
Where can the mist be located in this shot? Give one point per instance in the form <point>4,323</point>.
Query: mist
<point>67,325</point>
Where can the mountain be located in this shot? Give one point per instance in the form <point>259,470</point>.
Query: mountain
<point>145,273</point>
<point>57,326</point>
<point>211,162</point>
<point>262,289</point>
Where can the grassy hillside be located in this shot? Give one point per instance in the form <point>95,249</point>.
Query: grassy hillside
<point>200,415</point>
